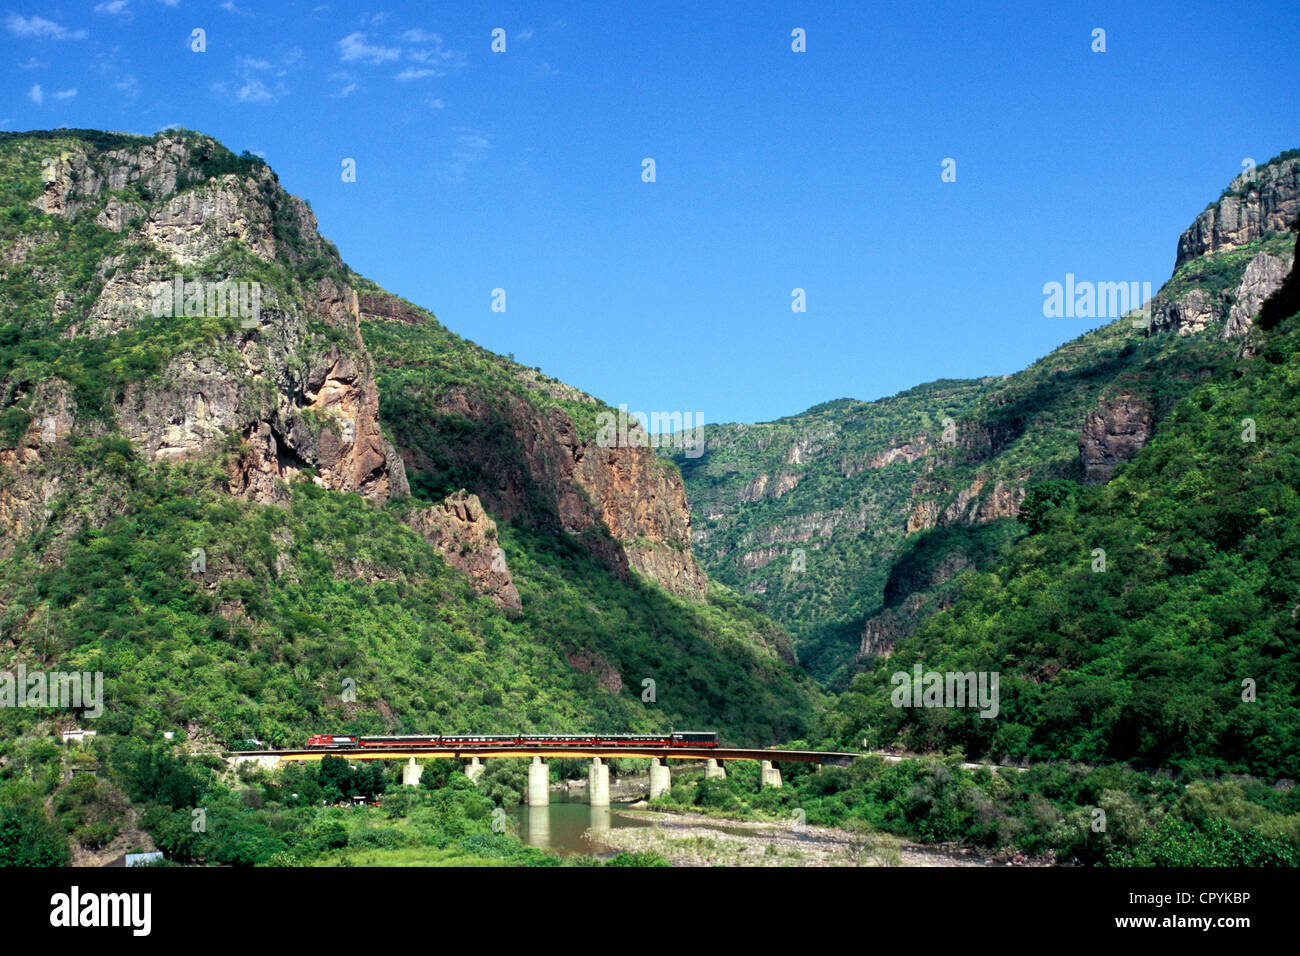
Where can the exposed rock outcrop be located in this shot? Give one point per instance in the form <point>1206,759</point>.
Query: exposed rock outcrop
<point>466,536</point>
<point>293,399</point>
<point>1113,434</point>
<point>882,631</point>
<point>1262,200</point>
<point>1189,314</point>
<point>375,307</point>
<point>770,486</point>
<point>590,662</point>
<point>622,502</point>
<point>27,488</point>
<point>971,504</point>
<point>1263,276</point>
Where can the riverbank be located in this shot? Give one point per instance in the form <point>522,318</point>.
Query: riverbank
<point>688,839</point>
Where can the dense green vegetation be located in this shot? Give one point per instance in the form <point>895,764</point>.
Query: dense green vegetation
<point>297,599</point>
<point>844,572</point>
<point>327,612</point>
<point>197,811</point>
<point>848,513</point>
<point>1049,810</point>
<point>1182,652</point>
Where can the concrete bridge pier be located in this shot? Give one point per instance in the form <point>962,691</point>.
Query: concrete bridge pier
<point>539,783</point>
<point>598,783</point>
<point>769,776</point>
<point>713,769</point>
<point>539,826</point>
<point>660,779</point>
<point>474,769</point>
<point>411,773</point>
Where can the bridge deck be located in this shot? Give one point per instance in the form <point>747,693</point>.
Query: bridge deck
<point>464,753</point>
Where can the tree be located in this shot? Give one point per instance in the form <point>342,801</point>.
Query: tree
<point>28,837</point>
<point>1042,498</point>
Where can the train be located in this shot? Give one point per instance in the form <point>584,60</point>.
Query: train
<point>677,738</point>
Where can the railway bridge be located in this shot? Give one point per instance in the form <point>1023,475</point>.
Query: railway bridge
<point>538,793</point>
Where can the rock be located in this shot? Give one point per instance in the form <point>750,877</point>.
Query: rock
<point>1112,434</point>
<point>28,488</point>
<point>1270,202</point>
<point>388,308</point>
<point>590,662</point>
<point>971,504</point>
<point>1187,315</point>
<point>621,502</point>
<point>291,401</point>
<point>196,224</point>
<point>1263,276</point>
<point>466,536</point>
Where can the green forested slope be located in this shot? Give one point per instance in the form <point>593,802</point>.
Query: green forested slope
<point>856,486</point>
<point>298,597</point>
<point>1149,660</point>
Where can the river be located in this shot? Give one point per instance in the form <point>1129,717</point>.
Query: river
<point>569,825</point>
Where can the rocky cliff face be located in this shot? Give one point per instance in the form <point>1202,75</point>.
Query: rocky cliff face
<point>1113,434</point>
<point>1263,276</point>
<point>466,536</point>
<point>1227,310</point>
<point>1260,201</point>
<point>854,484</point>
<point>294,400</point>
<point>289,388</point>
<point>529,463</point>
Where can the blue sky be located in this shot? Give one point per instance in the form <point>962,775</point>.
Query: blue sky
<point>818,170</point>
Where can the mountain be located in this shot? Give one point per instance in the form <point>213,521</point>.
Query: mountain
<point>266,497</point>
<point>850,522</point>
<point>1152,619</point>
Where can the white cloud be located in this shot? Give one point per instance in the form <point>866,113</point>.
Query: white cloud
<point>437,54</point>
<point>115,8</point>
<point>346,78</point>
<point>31,63</point>
<point>435,104</point>
<point>525,35</point>
<point>354,48</point>
<point>66,94</point>
<point>254,91</point>
<point>41,28</point>
<point>35,94</point>
<point>411,74</point>
<point>469,141</point>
